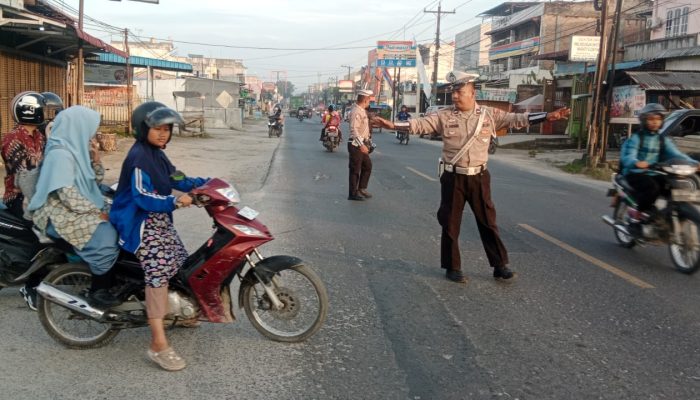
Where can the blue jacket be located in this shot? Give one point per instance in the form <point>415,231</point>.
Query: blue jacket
<point>631,151</point>
<point>130,208</point>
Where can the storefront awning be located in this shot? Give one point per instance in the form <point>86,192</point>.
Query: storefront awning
<point>564,69</point>
<point>666,80</point>
<point>142,62</point>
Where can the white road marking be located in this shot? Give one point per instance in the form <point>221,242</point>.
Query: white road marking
<point>415,171</point>
<point>598,263</point>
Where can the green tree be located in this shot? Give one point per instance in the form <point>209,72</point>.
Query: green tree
<point>285,89</point>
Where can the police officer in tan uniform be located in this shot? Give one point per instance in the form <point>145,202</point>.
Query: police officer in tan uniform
<point>360,164</point>
<point>466,130</point>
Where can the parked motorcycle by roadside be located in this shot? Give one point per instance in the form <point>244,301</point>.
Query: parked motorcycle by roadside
<point>284,299</point>
<point>674,224</point>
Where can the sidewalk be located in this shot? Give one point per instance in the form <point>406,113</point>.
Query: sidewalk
<point>240,157</point>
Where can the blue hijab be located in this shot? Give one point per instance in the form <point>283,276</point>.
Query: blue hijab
<point>151,160</point>
<point>67,157</point>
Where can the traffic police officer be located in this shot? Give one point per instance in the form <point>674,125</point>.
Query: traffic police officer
<point>466,130</point>
<point>358,148</point>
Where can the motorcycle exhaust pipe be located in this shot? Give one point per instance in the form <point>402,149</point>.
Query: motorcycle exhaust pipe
<point>69,301</point>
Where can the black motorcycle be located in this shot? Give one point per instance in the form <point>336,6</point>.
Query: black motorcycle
<point>674,224</point>
<point>25,254</point>
<point>402,136</point>
<point>22,256</point>
<point>493,145</point>
<point>274,127</point>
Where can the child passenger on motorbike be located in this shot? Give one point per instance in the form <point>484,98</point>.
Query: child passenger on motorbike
<point>68,203</point>
<point>142,213</point>
<point>642,150</point>
<point>330,118</point>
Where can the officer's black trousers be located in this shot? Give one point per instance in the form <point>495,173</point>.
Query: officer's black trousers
<point>456,190</point>
<point>360,169</point>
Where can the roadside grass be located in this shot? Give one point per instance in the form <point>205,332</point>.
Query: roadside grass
<point>602,173</point>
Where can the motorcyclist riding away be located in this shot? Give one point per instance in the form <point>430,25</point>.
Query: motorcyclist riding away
<point>644,148</point>
<point>330,118</point>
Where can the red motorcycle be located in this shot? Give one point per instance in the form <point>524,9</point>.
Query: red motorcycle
<point>284,299</point>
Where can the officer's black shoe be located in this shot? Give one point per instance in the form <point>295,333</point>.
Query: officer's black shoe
<point>102,298</point>
<point>503,274</point>
<point>355,197</point>
<point>456,276</point>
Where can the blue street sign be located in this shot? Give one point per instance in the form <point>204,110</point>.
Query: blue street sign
<point>396,62</point>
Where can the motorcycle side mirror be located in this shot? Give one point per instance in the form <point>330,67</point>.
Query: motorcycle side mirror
<point>178,176</point>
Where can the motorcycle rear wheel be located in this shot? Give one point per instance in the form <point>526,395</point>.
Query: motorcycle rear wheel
<point>71,329</point>
<point>686,256</point>
<point>300,290</point>
<point>626,241</point>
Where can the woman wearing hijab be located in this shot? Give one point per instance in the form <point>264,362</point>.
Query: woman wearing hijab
<point>68,203</point>
<point>142,213</point>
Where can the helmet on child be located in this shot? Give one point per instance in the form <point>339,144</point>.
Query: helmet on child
<point>651,109</point>
<point>28,108</point>
<point>330,108</point>
<point>151,114</point>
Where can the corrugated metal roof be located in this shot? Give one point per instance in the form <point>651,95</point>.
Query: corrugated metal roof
<point>677,53</point>
<point>666,80</point>
<point>143,62</point>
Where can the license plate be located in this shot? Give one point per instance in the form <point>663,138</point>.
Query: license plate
<point>248,213</point>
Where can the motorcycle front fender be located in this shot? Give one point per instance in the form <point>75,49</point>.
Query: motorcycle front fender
<point>266,270</point>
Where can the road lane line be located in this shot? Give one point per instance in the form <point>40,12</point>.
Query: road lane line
<point>599,263</point>
<point>415,171</point>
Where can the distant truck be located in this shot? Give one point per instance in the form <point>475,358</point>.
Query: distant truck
<point>294,104</point>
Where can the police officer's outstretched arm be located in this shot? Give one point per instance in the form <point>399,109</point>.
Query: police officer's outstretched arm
<point>426,125</point>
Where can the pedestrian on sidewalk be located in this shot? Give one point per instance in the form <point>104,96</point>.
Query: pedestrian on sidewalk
<point>359,146</point>
<point>466,129</point>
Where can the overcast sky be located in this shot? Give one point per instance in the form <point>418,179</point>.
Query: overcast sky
<point>288,24</point>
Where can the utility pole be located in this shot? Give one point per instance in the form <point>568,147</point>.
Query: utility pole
<point>128,81</point>
<point>608,101</point>
<point>601,71</point>
<point>349,68</point>
<point>439,12</point>
<point>80,67</point>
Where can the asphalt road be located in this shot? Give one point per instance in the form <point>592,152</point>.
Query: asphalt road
<point>584,319</point>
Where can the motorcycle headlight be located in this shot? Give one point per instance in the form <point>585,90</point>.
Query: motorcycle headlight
<point>248,230</point>
<point>683,170</point>
<point>230,193</point>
